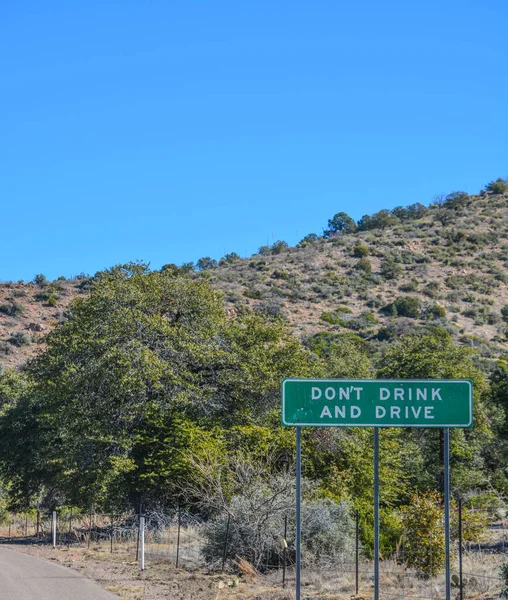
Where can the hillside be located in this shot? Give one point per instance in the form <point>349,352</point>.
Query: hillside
<point>447,267</point>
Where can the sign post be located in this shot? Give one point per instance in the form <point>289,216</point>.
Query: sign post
<point>424,403</point>
<point>376,513</point>
<point>298,510</point>
<point>446,460</point>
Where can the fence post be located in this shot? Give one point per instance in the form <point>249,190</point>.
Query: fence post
<point>38,526</point>
<point>90,526</point>
<point>142,540</point>
<point>357,548</point>
<point>111,535</point>
<point>460,551</point>
<point>26,525</point>
<point>225,549</point>
<point>137,541</point>
<point>284,551</point>
<point>178,536</point>
<point>54,528</point>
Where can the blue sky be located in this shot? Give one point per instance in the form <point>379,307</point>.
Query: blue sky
<point>166,131</point>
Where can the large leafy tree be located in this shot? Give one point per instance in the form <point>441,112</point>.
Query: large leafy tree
<point>146,366</point>
<point>340,223</point>
<point>434,356</point>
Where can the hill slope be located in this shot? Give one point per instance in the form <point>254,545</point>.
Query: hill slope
<point>447,267</point>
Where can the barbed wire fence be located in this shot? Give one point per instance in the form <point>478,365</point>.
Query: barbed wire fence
<point>180,538</point>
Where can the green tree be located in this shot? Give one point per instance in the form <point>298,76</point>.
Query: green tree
<point>424,544</point>
<point>340,223</point>
<point>206,263</point>
<point>499,186</point>
<point>434,356</point>
<point>146,365</point>
<point>383,219</point>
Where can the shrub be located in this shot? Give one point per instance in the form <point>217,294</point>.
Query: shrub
<point>40,279</point>
<point>504,577</point>
<point>436,312</point>
<point>279,247</point>
<point>12,309</point>
<point>336,317</point>
<point>410,286</point>
<point>271,308</point>
<point>52,300</point>
<point>403,306</point>
<point>456,200</point>
<point>424,544</point>
<point>255,530</point>
<point>307,240</point>
<point>431,289</point>
<point>5,349</point>
<point>360,251</point>
<point>499,186</point>
<point>206,263</point>
<point>254,294</point>
<point>389,268</point>
<point>280,274</point>
<point>20,338</point>
<point>364,265</point>
<point>504,313</point>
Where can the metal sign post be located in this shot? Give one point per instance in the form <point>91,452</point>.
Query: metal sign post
<point>424,403</point>
<point>298,510</point>
<point>376,513</point>
<point>446,456</point>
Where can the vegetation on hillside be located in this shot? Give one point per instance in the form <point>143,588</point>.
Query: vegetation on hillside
<point>161,387</point>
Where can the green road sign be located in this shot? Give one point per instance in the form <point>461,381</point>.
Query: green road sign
<point>377,402</point>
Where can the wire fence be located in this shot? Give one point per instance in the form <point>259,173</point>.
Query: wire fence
<point>182,539</point>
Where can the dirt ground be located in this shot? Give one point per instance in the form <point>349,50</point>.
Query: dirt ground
<point>120,574</point>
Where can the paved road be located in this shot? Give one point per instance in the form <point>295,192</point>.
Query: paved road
<point>24,577</point>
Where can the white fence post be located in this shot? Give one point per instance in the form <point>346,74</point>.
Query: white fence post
<point>142,540</point>
<point>54,529</point>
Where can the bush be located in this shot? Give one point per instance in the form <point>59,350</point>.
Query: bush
<point>20,338</point>
<point>360,251</point>
<point>456,200</point>
<point>389,268</point>
<point>504,313</point>
<point>436,312</point>
<point>424,544</point>
<point>253,294</point>
<point>255,531</point>
<point>12,310</point>
<point>279,246</point>
<point>40,279</point>
<point>499,186</point>
<point>364,265</point>
<point>311,238</point>
<point>6,349</point>
<point>404,306</point>
<point>504,577</point>
<point>334,318</point>
<point>270,308</point>
<point>410,286</point>
<point>206,263</point>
